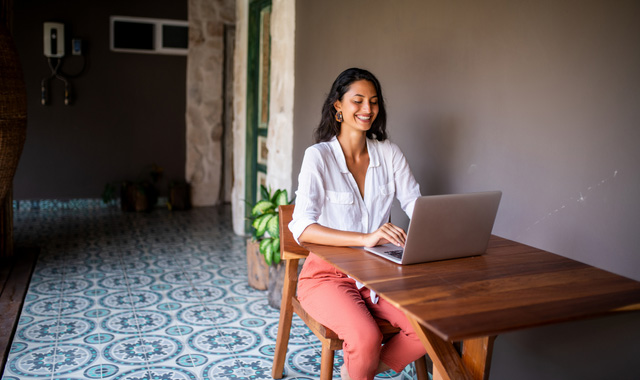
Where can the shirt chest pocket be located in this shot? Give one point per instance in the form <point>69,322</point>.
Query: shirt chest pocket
<point>387,190</point>
<point>341,210</point>
<point>340,197</point>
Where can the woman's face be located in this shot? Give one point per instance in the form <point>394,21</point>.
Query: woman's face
<point>359,106</point>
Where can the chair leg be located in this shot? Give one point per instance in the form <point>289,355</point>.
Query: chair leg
<point>286,315</point>
<point>326,362</point>
<point>421,369</point>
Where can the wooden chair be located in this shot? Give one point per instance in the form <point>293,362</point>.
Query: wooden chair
<point>291,253</point>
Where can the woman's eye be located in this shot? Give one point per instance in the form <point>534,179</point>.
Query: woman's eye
<point>371,103</point>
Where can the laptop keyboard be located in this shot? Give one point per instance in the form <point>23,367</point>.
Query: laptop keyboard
<point>395,253</point>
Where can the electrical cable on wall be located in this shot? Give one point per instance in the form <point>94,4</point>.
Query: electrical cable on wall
<point>54,74</point>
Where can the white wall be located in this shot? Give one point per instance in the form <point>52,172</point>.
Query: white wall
<point>240,116</point>
<point>538,99</point>
<point>281,94</point>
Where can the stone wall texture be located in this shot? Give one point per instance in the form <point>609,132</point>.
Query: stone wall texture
<point>204,110</point>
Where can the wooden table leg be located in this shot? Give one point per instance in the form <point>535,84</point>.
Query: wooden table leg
<point>447,363</point>
<point>476,356</point>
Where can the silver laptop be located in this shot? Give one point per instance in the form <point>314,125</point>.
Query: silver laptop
<point>446,227</point>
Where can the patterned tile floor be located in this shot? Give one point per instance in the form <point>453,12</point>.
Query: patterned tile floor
<point>147,296</point>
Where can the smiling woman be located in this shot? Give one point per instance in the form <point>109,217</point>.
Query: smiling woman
<point>346,187</point>
<point>330,123</point>
<point>358,107</point>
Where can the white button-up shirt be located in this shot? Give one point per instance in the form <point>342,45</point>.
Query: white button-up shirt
<point>328,193</point>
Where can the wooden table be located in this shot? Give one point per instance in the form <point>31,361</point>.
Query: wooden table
<point>512,287</point>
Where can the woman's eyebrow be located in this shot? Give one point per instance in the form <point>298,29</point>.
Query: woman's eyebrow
<point>374,96</point>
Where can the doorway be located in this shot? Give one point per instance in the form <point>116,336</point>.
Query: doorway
<point>258,72</point>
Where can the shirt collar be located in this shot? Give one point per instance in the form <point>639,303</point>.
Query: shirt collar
<point>374,157</point>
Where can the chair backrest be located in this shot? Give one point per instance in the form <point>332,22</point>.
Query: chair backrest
<point>289,248</point>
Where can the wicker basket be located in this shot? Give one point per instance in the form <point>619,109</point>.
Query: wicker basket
<point>13,111</point>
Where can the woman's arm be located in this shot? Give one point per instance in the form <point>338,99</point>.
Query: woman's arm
<point>387,233</point>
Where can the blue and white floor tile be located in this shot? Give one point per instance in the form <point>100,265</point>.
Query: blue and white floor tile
<point>128,296</point>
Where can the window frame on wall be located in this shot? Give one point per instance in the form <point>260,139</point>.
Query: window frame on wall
<point>157,38</point>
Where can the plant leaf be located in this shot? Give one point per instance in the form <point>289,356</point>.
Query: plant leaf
<point>264,193</point>
<point>264,224</point>
<point>268,254</point>
<point>274,197</point>
<point>276,250</point>
<point>273,226</point>
<point>262,207</point>
<point>264,243</point>
<point>281,199</point>
<point>256,222</point>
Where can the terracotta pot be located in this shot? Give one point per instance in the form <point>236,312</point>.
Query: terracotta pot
<point>257,268</point>
<point>264,277</point>
<point>137,197</point>
<point>180,196</point>
<point>276,283</point>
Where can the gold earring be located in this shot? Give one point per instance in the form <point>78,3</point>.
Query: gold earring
<point>339,117</point>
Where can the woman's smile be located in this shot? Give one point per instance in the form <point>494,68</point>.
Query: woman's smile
<point>359,106</point>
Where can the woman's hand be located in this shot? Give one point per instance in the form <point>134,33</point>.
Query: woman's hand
<point>387,233</point>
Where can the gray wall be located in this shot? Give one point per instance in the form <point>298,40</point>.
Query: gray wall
<point>129,108</point>
<point>538,99</point>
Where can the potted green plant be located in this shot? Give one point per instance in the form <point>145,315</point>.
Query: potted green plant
<point>263,248</point>
<point>138,195</point>
<point>266,224</point>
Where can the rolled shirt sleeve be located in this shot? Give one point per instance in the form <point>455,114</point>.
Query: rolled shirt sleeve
<point>310,194</point>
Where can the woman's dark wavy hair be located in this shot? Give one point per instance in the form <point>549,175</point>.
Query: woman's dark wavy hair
<point>329,127</point>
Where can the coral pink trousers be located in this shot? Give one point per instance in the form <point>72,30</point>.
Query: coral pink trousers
<point>334,300</point>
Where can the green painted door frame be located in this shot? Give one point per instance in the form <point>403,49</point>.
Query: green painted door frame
<point>258,70</point>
